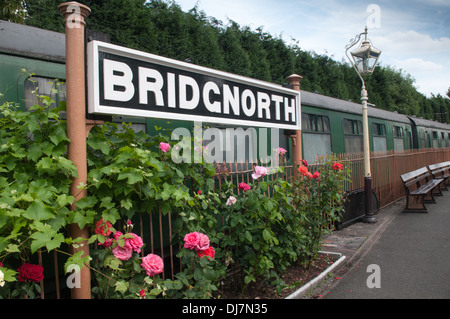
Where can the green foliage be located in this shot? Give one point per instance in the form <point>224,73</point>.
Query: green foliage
<point>258,234</point>
<point>35,176</point>
<point>12,10</point>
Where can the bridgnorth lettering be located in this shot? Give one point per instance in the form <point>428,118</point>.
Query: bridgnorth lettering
<point>118,86</point>
<point>127,82</point>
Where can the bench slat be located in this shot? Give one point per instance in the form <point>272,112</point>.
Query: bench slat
<point>414,174</point>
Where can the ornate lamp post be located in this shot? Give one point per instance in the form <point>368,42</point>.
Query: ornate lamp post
<point>364,59</point>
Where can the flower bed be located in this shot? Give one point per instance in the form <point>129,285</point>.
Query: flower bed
<point>255,228</point>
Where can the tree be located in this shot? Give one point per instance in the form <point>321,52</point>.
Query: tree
<point>12,10</point>
<point>161,27</point>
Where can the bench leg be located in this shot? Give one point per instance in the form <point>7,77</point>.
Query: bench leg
<point>437,191</point>
<point>444,185</point>
<point>408,209</point>
<point>429,198</point>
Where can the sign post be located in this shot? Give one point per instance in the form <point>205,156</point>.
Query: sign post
<point>294,80</point>
<point>74,14</point>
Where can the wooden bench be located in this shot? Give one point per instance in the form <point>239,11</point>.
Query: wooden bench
<point>421,185</point>
<point>441,170</point>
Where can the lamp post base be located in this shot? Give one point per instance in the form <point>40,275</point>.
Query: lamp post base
<point>368,216</point>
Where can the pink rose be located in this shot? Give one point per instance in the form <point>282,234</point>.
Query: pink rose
<point>203,242</point>
<point>164,146</point>
<point>231,201</point>
<point>191,240</point>
<point>122,253</point>
<point>135,243</point>
<point>281,151</point>
<point>117,235</point>
<point>260,171</point>
<point>153,264</point>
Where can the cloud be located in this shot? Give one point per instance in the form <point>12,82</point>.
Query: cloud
<point>413,43</point>
<point>429,76</point>
<point>412,35</point>
<point>417,65</point>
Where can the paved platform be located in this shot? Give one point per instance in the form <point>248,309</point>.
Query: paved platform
<point>401,256</point>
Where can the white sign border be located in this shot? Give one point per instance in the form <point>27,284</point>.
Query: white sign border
<point>93,90</point>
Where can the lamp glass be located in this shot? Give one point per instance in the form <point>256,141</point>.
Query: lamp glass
<point>366,57</point>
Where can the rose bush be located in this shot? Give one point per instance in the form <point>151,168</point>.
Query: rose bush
<point>254,228</point>
<point>121,273</point>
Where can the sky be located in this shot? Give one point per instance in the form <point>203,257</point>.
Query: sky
<point>414,35</point>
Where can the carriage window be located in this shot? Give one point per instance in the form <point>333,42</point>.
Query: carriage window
<point>398,132</point>
<point>353,127</point>
<point>43,86</point>
<point>398,138</point>
<point>316,136</point>
<point>378,129</point>
<point>379,137</point>
<point>353,136</point>
<point>315,123</point>
<point>435,139</point>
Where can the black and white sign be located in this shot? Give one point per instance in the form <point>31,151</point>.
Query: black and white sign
<point>123,81</point>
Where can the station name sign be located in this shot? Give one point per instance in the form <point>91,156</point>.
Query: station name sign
<point>123,81</point>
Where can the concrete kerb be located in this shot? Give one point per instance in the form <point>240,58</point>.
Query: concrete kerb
<point>316,281</point>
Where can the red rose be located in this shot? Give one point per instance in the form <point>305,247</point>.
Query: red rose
<point>103,228</point>
<point>30,272</point>
<point>209,252</point>
<point>243,186</point>
<point>303,170</point>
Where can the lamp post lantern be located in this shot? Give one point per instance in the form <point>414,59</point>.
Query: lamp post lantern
<point>364,59</point>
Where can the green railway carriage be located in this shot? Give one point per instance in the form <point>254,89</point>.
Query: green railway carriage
<point>37,51</point>
<point>331,125</point>
<point>430,134</point>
